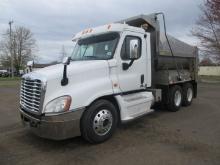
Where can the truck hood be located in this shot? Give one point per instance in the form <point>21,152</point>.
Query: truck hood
<point>75,67</point>
<point>90,78</point>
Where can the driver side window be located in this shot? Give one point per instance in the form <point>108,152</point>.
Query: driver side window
<point>126,52</point>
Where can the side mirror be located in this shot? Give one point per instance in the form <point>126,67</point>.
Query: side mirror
<point>132,51</point>
<point>134,46</point>
<point>30,63</point>
<point>66,60</point>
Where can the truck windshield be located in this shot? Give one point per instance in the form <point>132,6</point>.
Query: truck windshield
<point>100,47</point>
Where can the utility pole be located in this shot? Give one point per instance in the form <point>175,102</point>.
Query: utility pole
<point>12,60</point>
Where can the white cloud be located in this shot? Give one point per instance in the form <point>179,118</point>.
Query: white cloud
<point>54,22</point>
<point>51,50</point>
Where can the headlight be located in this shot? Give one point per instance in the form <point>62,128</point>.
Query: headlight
<point>60,104</point>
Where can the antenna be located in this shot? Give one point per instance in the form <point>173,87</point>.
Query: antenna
<point>168,42</point>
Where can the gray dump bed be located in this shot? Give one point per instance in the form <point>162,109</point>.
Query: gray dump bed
<point>180,49</point>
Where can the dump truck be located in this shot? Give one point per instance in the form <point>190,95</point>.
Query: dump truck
<point>116,73</point>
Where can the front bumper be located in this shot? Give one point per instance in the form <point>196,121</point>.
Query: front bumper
<point>56,127</point>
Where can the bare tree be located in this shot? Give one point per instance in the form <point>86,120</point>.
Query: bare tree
<point>206,62</point>
<point>207,29</point>
<point>23,46</point>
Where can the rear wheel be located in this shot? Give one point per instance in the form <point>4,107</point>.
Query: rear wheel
<point>175,98</point>
<point>187,94</point>
<point>99,121</point>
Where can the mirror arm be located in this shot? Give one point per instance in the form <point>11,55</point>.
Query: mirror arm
<point>65,80</point>
<point>30,68</point>
<point>125,66</point>
<point>131,62</point>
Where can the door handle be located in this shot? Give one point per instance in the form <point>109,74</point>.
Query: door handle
<point>142,80</point>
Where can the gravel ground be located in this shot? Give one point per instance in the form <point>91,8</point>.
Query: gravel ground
<point>189,136</point>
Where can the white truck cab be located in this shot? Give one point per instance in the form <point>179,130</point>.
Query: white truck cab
<point>107,79</point>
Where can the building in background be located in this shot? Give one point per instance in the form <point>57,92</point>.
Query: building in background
<point>208,68</point>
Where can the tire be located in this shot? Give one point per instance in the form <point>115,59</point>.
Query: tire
<point>175,98</point>
<point>187,94</point>
<point>99,121</point>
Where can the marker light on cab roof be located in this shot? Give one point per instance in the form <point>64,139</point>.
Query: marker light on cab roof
<point>87,31</point>
<point>109,26</point>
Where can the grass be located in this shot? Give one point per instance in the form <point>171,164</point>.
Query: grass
<point>9,82</point>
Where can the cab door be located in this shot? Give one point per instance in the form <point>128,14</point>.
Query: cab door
<point>132,62</point>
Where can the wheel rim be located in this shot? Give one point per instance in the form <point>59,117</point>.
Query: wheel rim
<point>189,94</point>
<point>102,122</point>
<point>177,98</point>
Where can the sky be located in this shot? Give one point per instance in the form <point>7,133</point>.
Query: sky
<point>55,22</point>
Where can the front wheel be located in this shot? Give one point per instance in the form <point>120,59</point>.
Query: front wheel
<point>175,98</point>
<point>99,121</point>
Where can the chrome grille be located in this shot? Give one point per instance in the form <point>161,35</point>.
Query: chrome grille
<point>30,96</point>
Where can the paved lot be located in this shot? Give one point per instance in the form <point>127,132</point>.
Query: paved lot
<point>190,136</point>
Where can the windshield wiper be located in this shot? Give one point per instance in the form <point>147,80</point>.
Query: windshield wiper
<point>85,50</point>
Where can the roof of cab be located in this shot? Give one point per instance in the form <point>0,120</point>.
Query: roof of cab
<point>113,27</point>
